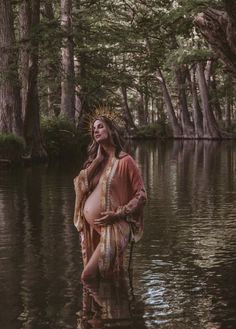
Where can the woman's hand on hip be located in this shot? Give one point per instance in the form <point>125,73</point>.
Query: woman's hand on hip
<point>108,218</point>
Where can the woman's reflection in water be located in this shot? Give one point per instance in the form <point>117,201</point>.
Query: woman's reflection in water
<point>110,303</point>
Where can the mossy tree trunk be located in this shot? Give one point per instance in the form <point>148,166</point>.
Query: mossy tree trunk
<point>53,74</point>
<point>142,114</point>
<point>229,102</point>
<point>197,112</point>
<point>187,125</point>
<point>177,131</point>
<point>128,115</point>
<point>215,99</point>
<point>29,22</point>
<point>67,63</point>
<point>10,109</point>
<point>210,126</point>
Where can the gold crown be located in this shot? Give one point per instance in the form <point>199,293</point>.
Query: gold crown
<point>102,111</point>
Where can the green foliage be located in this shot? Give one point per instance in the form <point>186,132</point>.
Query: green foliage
<point>61,138</point>
<point>117,43</point>
<point>232,128</point>
<point>123,43</point>
<point>187,55</point>
<point>11,147</point>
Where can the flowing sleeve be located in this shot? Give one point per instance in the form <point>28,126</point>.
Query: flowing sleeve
<point>133,210</point>
<point>81,190</point>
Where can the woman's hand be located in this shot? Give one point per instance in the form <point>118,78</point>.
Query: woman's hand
<point>99,157</point>
<point>108,218</point>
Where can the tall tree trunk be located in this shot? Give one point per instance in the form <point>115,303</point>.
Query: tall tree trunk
<point>29,20</point>
<point>210,127</point>
<point>197,113</point>
<point>177,132</point>
<point>52,81</point>
<point>10,109</point>
<point>67,58</point>
<point>208,71</point>
<point>25,26</point>
<point>141,110</point>
<point>187,126</point>
<point>146,101</point>
<point>215,99</point>
<point>78,105</point>
<point>128,116</point>
<point>152,117</point>
<point>229,102</point>
<point>228,113</point>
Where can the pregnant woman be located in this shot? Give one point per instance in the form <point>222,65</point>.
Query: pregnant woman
<point>110,197</point>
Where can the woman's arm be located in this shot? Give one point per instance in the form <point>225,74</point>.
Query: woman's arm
<point>139,198</point>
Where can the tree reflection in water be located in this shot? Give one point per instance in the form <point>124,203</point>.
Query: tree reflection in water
<point>110,303</point>
<point>184,266</point>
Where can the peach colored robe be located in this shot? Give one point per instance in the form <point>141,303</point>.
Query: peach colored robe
<point>122,191</point>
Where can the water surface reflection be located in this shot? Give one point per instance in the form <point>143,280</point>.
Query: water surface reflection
<point>110,303</point>
<point>190,240</point>
<point>184,268</point>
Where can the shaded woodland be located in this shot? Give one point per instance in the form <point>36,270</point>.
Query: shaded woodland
<point>158,61</point>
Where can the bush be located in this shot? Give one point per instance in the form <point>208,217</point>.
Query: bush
<point>155,130</point>
<point>11,147</point>
<point>232,128</point>
<point>61,138</point>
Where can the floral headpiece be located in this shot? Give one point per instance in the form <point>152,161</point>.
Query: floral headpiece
<point>99,112</point>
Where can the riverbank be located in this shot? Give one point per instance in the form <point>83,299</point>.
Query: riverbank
<point>63,142</point>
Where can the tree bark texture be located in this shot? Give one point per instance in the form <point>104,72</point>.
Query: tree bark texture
<point>229,102</point>
<point>197,113</point>
<point>177,131</point>
<point>219,29</point>
<point>187,126</point>
<point>210,127</point>
<point>142,118</point>
<point>52,81</point>
<point>78,105</point>
<point>215,99</point>
<point>67,61</point>
<point>146,101</point>
<point>29,21</point>
<point>10,109</point>
<point>128,115</point>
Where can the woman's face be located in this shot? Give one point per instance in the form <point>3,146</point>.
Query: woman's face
<point>100,131</point>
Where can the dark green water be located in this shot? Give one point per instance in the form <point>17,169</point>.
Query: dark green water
<point>184,269</point>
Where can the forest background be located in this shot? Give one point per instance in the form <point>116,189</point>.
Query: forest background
<point>166,66</point>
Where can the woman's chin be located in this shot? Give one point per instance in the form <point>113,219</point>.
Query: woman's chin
<point>101,141</point>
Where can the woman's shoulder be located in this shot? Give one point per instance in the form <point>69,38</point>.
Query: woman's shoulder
<point>126,158</point>
<point>124,155</point>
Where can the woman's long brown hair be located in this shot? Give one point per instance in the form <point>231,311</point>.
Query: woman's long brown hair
<point>116,138</point>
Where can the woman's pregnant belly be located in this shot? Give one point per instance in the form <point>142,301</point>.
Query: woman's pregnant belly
<point>92,206</point>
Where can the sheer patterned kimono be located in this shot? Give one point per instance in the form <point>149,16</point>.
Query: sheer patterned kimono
<point>123,192</point>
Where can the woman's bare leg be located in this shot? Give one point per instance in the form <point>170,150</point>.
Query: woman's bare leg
<point>91,269</point>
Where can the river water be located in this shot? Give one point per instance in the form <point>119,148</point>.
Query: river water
<point>184,268</point>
